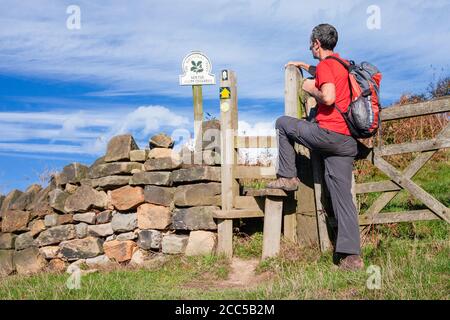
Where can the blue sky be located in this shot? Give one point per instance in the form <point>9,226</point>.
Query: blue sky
<point>64,93</point>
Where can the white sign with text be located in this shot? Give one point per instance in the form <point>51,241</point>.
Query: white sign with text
<point>196,70</point>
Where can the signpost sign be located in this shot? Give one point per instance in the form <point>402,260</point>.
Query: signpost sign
<point>197,68</point>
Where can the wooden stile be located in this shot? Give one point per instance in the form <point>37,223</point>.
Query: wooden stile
<point>303,214</point>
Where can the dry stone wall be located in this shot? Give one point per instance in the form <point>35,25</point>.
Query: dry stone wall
<point>127,207</point>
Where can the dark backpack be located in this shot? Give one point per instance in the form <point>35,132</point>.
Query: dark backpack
<point>363,113</point>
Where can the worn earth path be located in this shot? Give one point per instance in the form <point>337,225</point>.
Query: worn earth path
<point>242,275</point>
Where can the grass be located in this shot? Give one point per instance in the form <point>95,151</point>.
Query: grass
<point>254,183</point>
<point>247,247</point>
<point>159,282</point>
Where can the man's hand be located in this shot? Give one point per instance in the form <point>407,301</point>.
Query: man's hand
<point>309,86</point>
<point>298,64</point>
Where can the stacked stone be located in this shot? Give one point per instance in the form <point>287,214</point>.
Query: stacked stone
<point>128,206</point>
<point>21,220</point>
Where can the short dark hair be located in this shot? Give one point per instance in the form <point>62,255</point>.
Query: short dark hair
<point>326,34</point>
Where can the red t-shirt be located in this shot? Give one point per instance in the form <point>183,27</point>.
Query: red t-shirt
<point>328,117</point>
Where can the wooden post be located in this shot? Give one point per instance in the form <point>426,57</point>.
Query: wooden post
<point>272,226</point>
<point>309,194</point>
<point>230,186</point>
<point>301,226</point>
<point>307,232</point>
<point>198,118</point>
<point>292,78</point>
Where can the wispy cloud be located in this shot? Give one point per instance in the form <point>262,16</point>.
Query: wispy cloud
<point>136,47</point>
<point>83,132</point>
<point>43,148</point>
<point>36,156</point>
<point>56,133</point>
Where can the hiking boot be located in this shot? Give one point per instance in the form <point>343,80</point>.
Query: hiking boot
<point>352,262</point>
<point>286,184</point>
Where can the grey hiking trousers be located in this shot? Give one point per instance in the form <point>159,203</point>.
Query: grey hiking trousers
<point>338,152</point>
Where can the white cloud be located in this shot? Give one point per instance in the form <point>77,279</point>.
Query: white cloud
<point>137,47</point>
<point>82,132</point>
<point>150,118</point>
<point>256,129</point>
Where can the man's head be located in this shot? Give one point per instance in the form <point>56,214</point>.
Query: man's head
<point>324,37</point>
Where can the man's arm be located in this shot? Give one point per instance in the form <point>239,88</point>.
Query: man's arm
<point>300,64</point>
<point>326,95</point>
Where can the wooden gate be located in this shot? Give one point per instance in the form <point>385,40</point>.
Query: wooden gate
<point>398,180</point>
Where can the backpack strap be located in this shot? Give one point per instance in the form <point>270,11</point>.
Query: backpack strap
<point>346,66</point>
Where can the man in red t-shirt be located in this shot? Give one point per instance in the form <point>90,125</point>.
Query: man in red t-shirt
<point>327,135</point>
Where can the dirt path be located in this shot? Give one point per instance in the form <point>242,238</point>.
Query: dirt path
<point>242,275</point>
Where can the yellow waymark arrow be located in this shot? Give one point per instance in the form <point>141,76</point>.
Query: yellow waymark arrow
<point>225,93</point>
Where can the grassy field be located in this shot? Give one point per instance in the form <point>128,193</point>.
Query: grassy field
<point>413,259</point>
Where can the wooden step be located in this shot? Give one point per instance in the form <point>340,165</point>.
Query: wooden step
<point>236,214</point>
<point>248,202</point>
<point>266,192</point>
